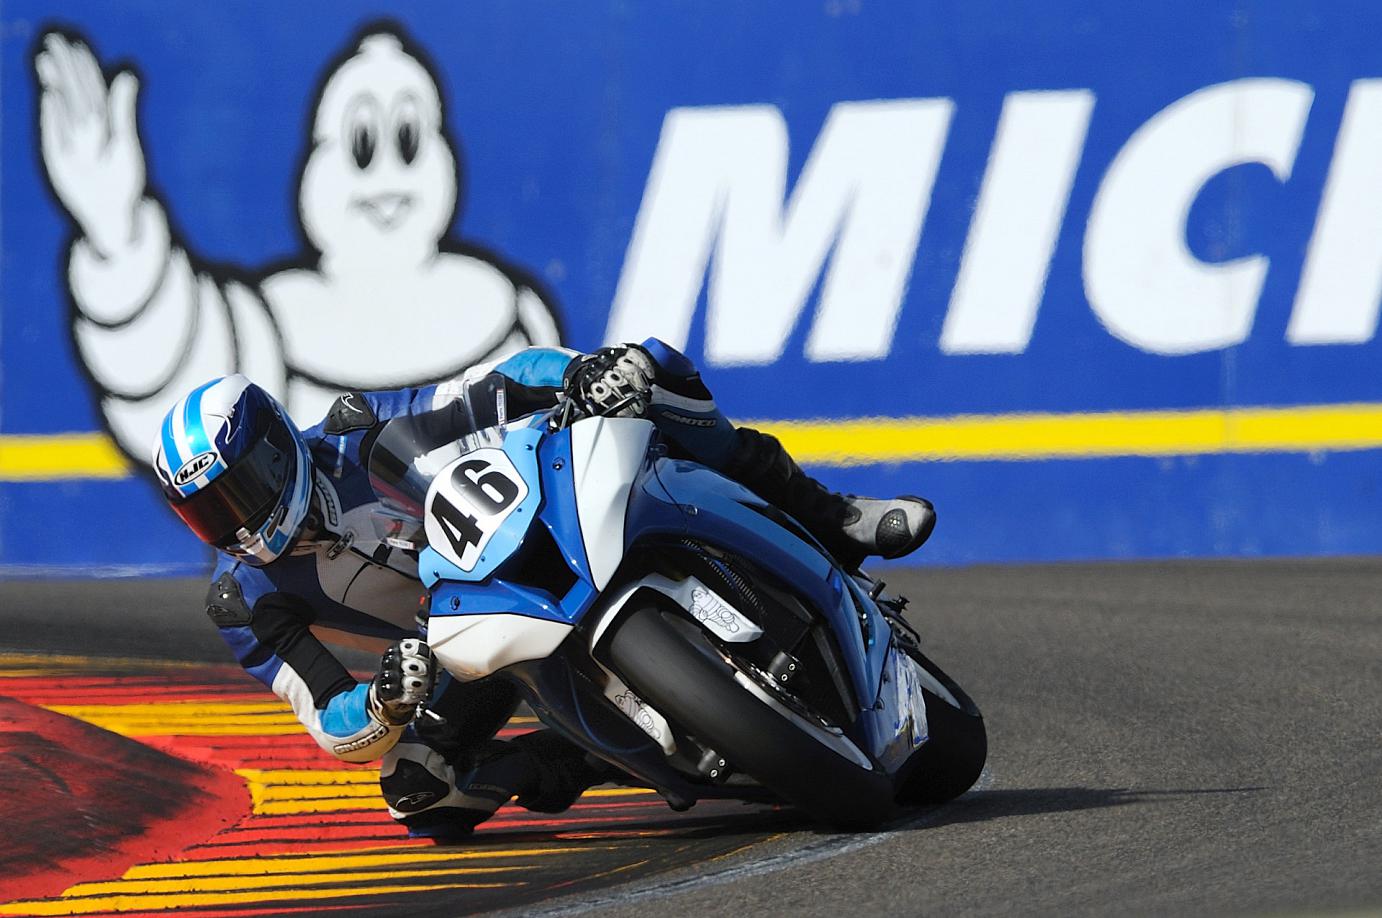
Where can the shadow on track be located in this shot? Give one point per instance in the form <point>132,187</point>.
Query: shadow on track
<point>979,806</point>
<point>752,823</point>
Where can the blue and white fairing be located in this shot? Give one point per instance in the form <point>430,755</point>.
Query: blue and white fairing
<point>501,500</point>
<point>502,508</point>
<point>892,720</point>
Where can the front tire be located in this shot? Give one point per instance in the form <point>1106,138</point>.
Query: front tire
<point>673,665</point>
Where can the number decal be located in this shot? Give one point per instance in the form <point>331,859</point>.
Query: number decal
<point>470,502</point>
<point>458,526</point>
<point>476,480</point>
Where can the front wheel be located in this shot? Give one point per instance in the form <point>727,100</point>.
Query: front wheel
<point>674,666</point>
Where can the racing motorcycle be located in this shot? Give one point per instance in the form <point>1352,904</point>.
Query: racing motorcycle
<point>670,621</point>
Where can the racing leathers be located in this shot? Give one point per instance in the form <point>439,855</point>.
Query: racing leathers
<point>348,582</point>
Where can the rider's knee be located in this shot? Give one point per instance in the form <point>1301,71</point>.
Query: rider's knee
<point>419,787</point>
<point>414,777</point>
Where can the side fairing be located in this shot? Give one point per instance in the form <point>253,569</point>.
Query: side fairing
<point>474,646</point>
<point>495,616</point>
<point>720,512</point>
<point>459,499</point>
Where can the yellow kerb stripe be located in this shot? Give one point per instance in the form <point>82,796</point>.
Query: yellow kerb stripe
<point>178,710</point>
<point>187,718</point>
<point>312,863</point>
<point>233,883</point>
<point>861,441</point>
<point>310,777</point>
<point>130,903</point>
<point>307,777</point>
<point>84,665</point>
<point>288,791</point>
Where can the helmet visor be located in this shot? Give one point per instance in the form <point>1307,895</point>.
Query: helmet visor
<point>244,495</point>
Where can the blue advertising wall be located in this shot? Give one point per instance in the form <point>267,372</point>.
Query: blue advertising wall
<point>1101,280</point>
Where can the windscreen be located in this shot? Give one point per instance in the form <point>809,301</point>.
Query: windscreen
<point>404,459</point>
<point>411,450</point>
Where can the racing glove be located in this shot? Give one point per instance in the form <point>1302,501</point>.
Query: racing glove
<point>613,382</point>
<point>406,674</point>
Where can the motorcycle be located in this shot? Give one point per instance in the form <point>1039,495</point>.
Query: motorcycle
<point>670,621</point>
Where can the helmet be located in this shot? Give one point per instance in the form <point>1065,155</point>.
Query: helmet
<point>236,469</point>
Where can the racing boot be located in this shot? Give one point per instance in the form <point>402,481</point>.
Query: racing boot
<point>850,527</point>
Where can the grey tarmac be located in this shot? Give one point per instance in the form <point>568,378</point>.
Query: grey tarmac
<point>1179,737</point>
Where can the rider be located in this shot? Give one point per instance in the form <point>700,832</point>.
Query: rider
<point>301,562</point>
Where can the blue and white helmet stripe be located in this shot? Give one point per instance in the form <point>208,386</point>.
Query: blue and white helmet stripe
<point>207,432</point>
<point>187,459</point>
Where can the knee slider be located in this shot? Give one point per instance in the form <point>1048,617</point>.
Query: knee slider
<point>413,778</point>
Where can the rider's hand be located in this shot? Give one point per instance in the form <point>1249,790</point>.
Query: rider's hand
<point>407,672</point>
<point>89,141</point>
<point>613,382</point>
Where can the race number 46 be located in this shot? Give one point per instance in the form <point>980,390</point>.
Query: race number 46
<point>469,502</point>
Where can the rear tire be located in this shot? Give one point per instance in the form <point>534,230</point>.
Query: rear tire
<point>952,758</point>
<point>673,666</point>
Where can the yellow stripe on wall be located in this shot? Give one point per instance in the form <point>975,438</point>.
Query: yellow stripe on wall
<point>56,457</point>
<point>863,441</point>
<point>1072,436</point>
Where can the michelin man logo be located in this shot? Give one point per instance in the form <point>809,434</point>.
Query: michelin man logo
<point>706,607</point>
<point>635,710</point>
<point>385,299</point>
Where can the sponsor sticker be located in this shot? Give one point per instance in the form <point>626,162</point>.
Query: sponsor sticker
<point>193,468</point>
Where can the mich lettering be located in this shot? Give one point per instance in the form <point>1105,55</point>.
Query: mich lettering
<point>718,186</point>
<point>718,218</point>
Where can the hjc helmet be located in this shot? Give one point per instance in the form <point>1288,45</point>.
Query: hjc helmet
<point>236,469</point>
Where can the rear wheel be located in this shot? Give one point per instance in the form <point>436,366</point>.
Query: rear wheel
<point>672,664</point>
<point>953,756</point>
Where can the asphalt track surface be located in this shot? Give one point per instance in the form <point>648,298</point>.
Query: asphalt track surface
<point>1197,738</point>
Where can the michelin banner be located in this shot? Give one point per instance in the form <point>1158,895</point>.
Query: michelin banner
<point>1101,280</point>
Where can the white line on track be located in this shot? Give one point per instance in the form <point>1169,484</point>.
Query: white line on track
<point>833,846</point>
